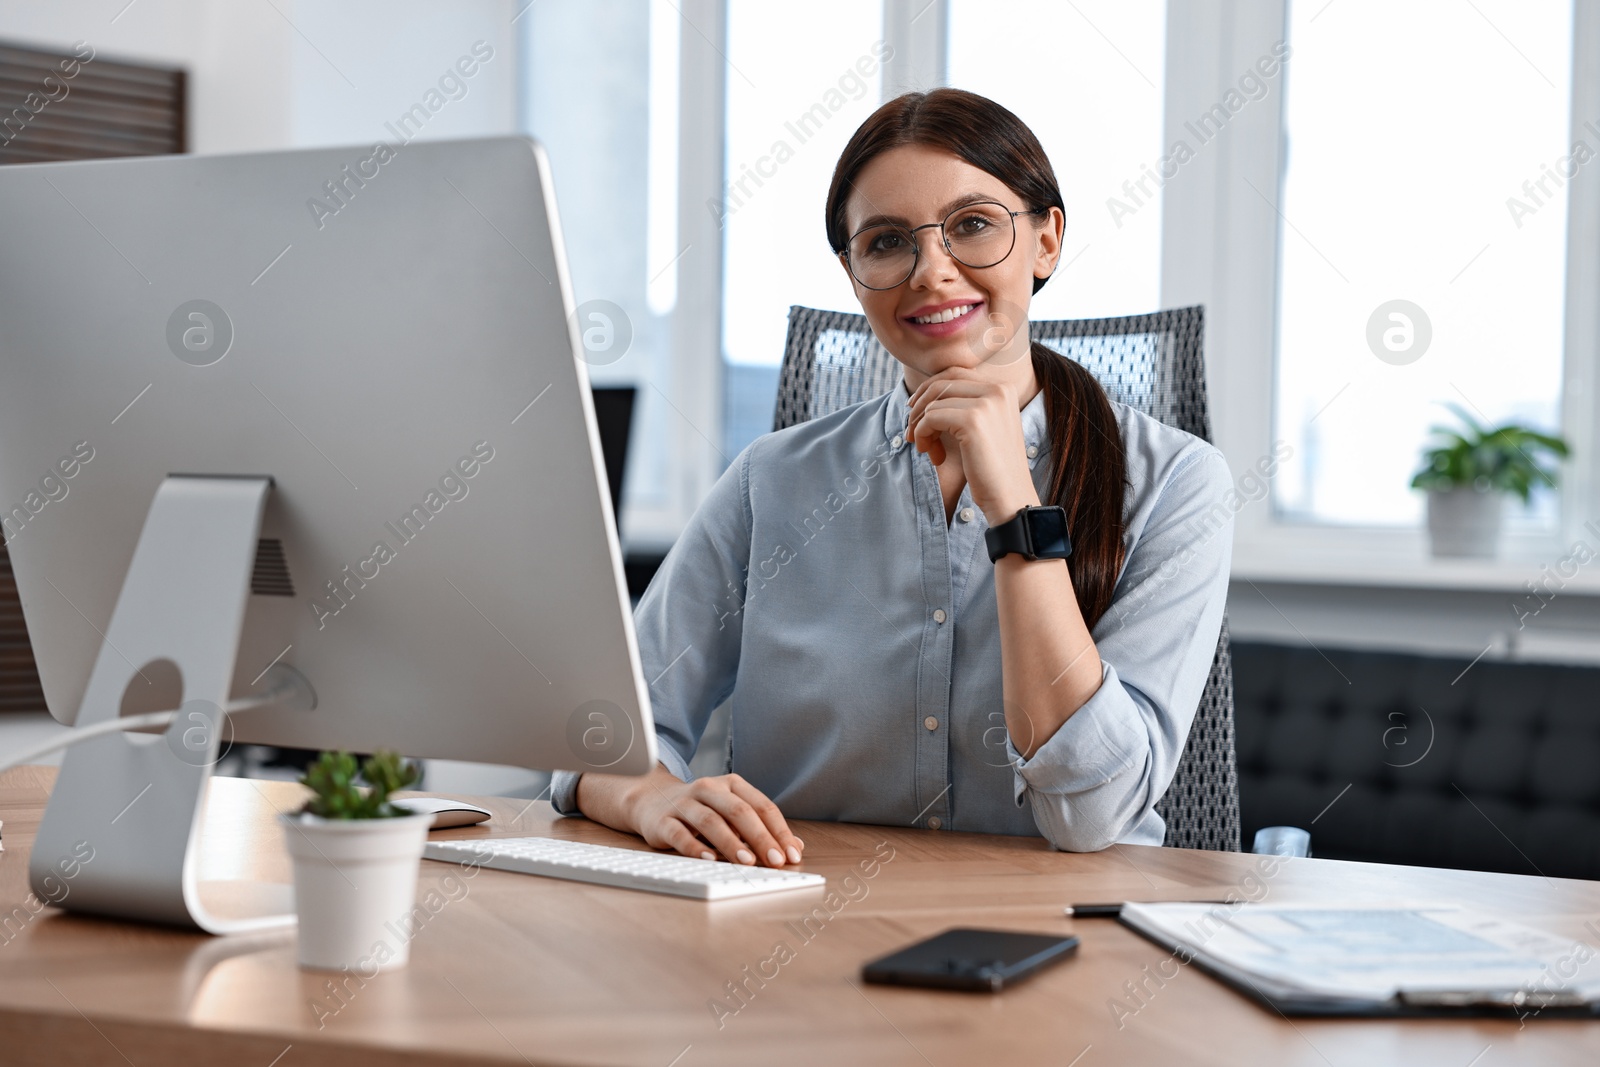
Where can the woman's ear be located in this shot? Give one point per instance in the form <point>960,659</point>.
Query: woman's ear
<point>1047,250</point>
<point>848,275</point>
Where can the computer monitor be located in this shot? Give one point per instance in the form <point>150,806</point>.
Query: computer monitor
<point>302,418</point>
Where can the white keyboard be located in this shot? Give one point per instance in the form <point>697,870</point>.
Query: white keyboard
<point>625,868</point>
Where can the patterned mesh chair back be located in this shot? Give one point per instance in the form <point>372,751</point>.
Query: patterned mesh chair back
<point>1154,363</point>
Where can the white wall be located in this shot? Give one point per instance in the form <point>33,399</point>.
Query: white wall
<point>293,73</point>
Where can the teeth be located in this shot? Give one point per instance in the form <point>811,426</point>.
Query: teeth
<point>944,316</point>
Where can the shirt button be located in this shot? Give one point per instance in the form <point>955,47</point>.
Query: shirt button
<point>931,723</point>
<point>939,615</point>
<point>965,514</point>
<point>1033,450</point>
<point>934,823</point>
<point>897,442</point>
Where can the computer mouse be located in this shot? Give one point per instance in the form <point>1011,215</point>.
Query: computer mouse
<point>446,813</point>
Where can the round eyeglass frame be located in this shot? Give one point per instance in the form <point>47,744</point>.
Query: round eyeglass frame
<point>944,238</point>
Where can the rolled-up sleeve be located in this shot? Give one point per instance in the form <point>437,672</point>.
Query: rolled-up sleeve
<point>689,626</point>
<point>1096,781</point>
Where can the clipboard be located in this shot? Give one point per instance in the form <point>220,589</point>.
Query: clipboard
<point>1519,1002</point>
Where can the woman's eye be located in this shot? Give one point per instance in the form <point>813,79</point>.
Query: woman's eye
<point>972,225</point>
<point>886,242</point>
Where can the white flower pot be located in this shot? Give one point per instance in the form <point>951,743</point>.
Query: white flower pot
<point>355,882</point>
<point>1464,522</point>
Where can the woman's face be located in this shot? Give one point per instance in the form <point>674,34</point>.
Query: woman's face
<point>914,185</point>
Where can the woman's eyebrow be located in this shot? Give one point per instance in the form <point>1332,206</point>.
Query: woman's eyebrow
<point>900,220</point>
<point>970,198</point>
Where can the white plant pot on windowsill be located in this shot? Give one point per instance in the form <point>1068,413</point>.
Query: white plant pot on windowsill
<point>1464,522</point>
<point>355,883</point>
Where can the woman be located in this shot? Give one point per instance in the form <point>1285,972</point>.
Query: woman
<point>837,585</point>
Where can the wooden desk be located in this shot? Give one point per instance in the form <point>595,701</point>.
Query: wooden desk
<point>517,969</point>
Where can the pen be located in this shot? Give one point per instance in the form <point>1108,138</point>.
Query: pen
<point>1111,911</point>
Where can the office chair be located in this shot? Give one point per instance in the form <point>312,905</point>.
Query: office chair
<point>1150,362</point>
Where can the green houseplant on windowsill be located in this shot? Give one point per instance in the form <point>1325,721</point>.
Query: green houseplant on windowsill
<point>356,856</point>
<point>1469,472</point>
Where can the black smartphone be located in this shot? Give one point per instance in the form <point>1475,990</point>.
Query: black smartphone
<point>980,960</point>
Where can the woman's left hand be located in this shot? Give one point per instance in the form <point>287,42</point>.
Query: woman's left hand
<point>984,420</point>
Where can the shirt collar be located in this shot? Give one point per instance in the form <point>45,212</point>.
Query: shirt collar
<point>1034,437</point>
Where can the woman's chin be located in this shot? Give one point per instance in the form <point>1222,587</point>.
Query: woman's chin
<point>941,353</point>
<point>931,359</point>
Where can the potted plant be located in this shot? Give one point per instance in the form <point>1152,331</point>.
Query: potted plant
<point>356,857</point>
<point>1467,474</point>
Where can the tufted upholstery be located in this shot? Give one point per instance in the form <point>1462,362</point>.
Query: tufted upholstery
<point>1511,781</point>
<point>1153,363</point>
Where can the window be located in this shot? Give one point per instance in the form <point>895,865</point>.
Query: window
<point>1094,98</point>
<point>1422,241</point>
<point>602,93</point>
<point>798,85</point>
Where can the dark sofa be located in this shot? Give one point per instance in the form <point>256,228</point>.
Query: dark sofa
<point>1489,766</point>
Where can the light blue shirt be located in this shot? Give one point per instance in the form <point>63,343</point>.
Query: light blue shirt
<point>855,635</point>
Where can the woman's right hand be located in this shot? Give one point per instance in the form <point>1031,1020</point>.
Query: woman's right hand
<point>722,814</point>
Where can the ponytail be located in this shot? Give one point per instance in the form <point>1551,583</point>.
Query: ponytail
<point>1088,472</point>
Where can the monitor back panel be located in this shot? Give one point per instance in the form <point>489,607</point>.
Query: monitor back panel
<point>387,334</point>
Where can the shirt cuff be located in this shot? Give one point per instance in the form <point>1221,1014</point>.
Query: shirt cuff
<point>1099,742</point>
<point>669,757</point>
<point>564,792</point>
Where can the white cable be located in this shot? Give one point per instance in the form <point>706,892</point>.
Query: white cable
<point>290,685</point>
<point>131,722</point>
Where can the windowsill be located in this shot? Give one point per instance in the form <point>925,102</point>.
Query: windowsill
<point>1416,570</point>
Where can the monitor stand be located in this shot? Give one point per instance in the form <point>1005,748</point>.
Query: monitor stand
<point>124,814</point>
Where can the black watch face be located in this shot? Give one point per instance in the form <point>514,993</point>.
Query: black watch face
<point>1048,526</point>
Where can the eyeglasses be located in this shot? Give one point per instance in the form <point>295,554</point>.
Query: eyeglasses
<point>884,255</point>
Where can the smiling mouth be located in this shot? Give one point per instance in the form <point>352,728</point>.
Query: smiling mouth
<point>947,315</point>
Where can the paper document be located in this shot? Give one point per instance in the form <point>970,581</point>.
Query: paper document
<point>1372,954</point>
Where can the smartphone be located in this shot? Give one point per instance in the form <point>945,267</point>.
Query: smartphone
<point>979,960</point>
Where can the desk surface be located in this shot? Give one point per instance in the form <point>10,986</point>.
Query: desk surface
<point>517,969</point>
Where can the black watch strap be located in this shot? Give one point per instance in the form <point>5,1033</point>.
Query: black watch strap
<point>1033,533</point>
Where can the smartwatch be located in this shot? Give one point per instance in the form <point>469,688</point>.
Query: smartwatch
<point>1034,533</point>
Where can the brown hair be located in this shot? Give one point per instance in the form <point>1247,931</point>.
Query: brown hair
<point>1089,467</point>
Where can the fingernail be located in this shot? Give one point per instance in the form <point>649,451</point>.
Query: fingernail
<point>708,855</point>
<point>745,856</point>
<point>799,842</point>
<point>794,854</point>
<point>775,857</point>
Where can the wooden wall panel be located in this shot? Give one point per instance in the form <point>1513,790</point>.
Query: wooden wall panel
<point>67,105</point>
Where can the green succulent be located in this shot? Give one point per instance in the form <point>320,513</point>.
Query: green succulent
<point>333,779</point>
<point>1510,458</point>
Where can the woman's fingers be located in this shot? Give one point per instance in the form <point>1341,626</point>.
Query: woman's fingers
<point>932,390</point>
<point>725,815</point>
<point>675,835</point>
<point>916,420</point>
<point>713,826</point>
<point>789,845</point>
<point>741,815</point>
<point>952,379</point>
<point>941,417</point>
